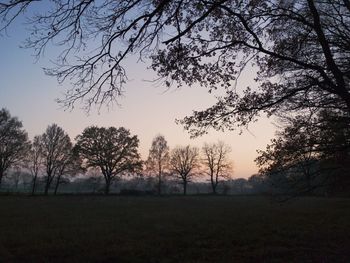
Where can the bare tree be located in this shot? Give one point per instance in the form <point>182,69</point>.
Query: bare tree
<point>217,163</point>
<point>158,159</point>
<point>35,160</point>
<point>113,150</point>
<point>183,162</point>
<point>56,148</point>
<point>70,164</point>
<point>13,142</point>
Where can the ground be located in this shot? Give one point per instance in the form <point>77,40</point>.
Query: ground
<point>173,229</point>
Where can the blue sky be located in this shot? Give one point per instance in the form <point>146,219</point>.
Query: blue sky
<point>146,109</point>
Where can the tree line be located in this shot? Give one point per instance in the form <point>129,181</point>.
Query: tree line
<point>113,151</point>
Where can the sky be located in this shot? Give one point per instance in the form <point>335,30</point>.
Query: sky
<point>146,109</point>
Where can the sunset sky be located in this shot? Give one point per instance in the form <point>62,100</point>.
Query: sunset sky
<point>146,109</point>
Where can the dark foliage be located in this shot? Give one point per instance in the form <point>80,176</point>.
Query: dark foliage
<point>14,142</point>
<point>311,153</point>
<point>114,151</point>
<point>301,49</point>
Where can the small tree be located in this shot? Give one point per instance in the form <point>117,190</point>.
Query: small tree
<point>158,159</point>
<point>13,142</point>
<point>56,149</point>
<point>216,162</point>
<point>70,164</point>
<point>34,160</point>
<point>183,162</point>
<point>113,150</point>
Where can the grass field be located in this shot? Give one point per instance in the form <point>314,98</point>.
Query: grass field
<point>173,229</point>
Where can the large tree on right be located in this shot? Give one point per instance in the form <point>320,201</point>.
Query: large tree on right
<point>311,154</point>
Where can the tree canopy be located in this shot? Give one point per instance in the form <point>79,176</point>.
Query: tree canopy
<point>311,152</point>
<point>300,48</point>
<point>216,162</point>
<point>34,160</point>
<point>13,142</point>
<point>184,161</point>
<point>158,159</point>
<point>56,148</point>
<point>113,150</point>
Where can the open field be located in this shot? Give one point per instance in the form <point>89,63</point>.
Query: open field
<point>173,229</point>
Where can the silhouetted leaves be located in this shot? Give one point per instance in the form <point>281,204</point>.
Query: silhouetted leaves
<point>311,152</point>
<point>301,49</point>
<point>114,151</point>
<point>13,142</point>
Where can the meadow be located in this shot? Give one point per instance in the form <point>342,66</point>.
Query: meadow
<point>173,229</point>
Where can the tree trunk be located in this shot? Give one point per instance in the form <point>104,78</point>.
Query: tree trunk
<point>34,184</point>
<point>57,184</point>
<point>214,189</point>
<point>47,186</point>
<point>108,184</point>
<point>159,183</point>
<point>213,185</point>
<point>185,187</point>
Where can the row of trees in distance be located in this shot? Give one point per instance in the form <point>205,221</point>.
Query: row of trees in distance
<point>52,156</point>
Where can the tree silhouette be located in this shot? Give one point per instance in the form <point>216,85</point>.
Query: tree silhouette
<point>34,160</point>
<point>300,48</point>
<point>289,161</point>
<point>216,162</point>
<point>56,149</point>
<point>158,158</point>
<point>71,164</point>
<point>14,142</point>
<point>312,151</point>
<point>113,150</point>
<point>183,162</point>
